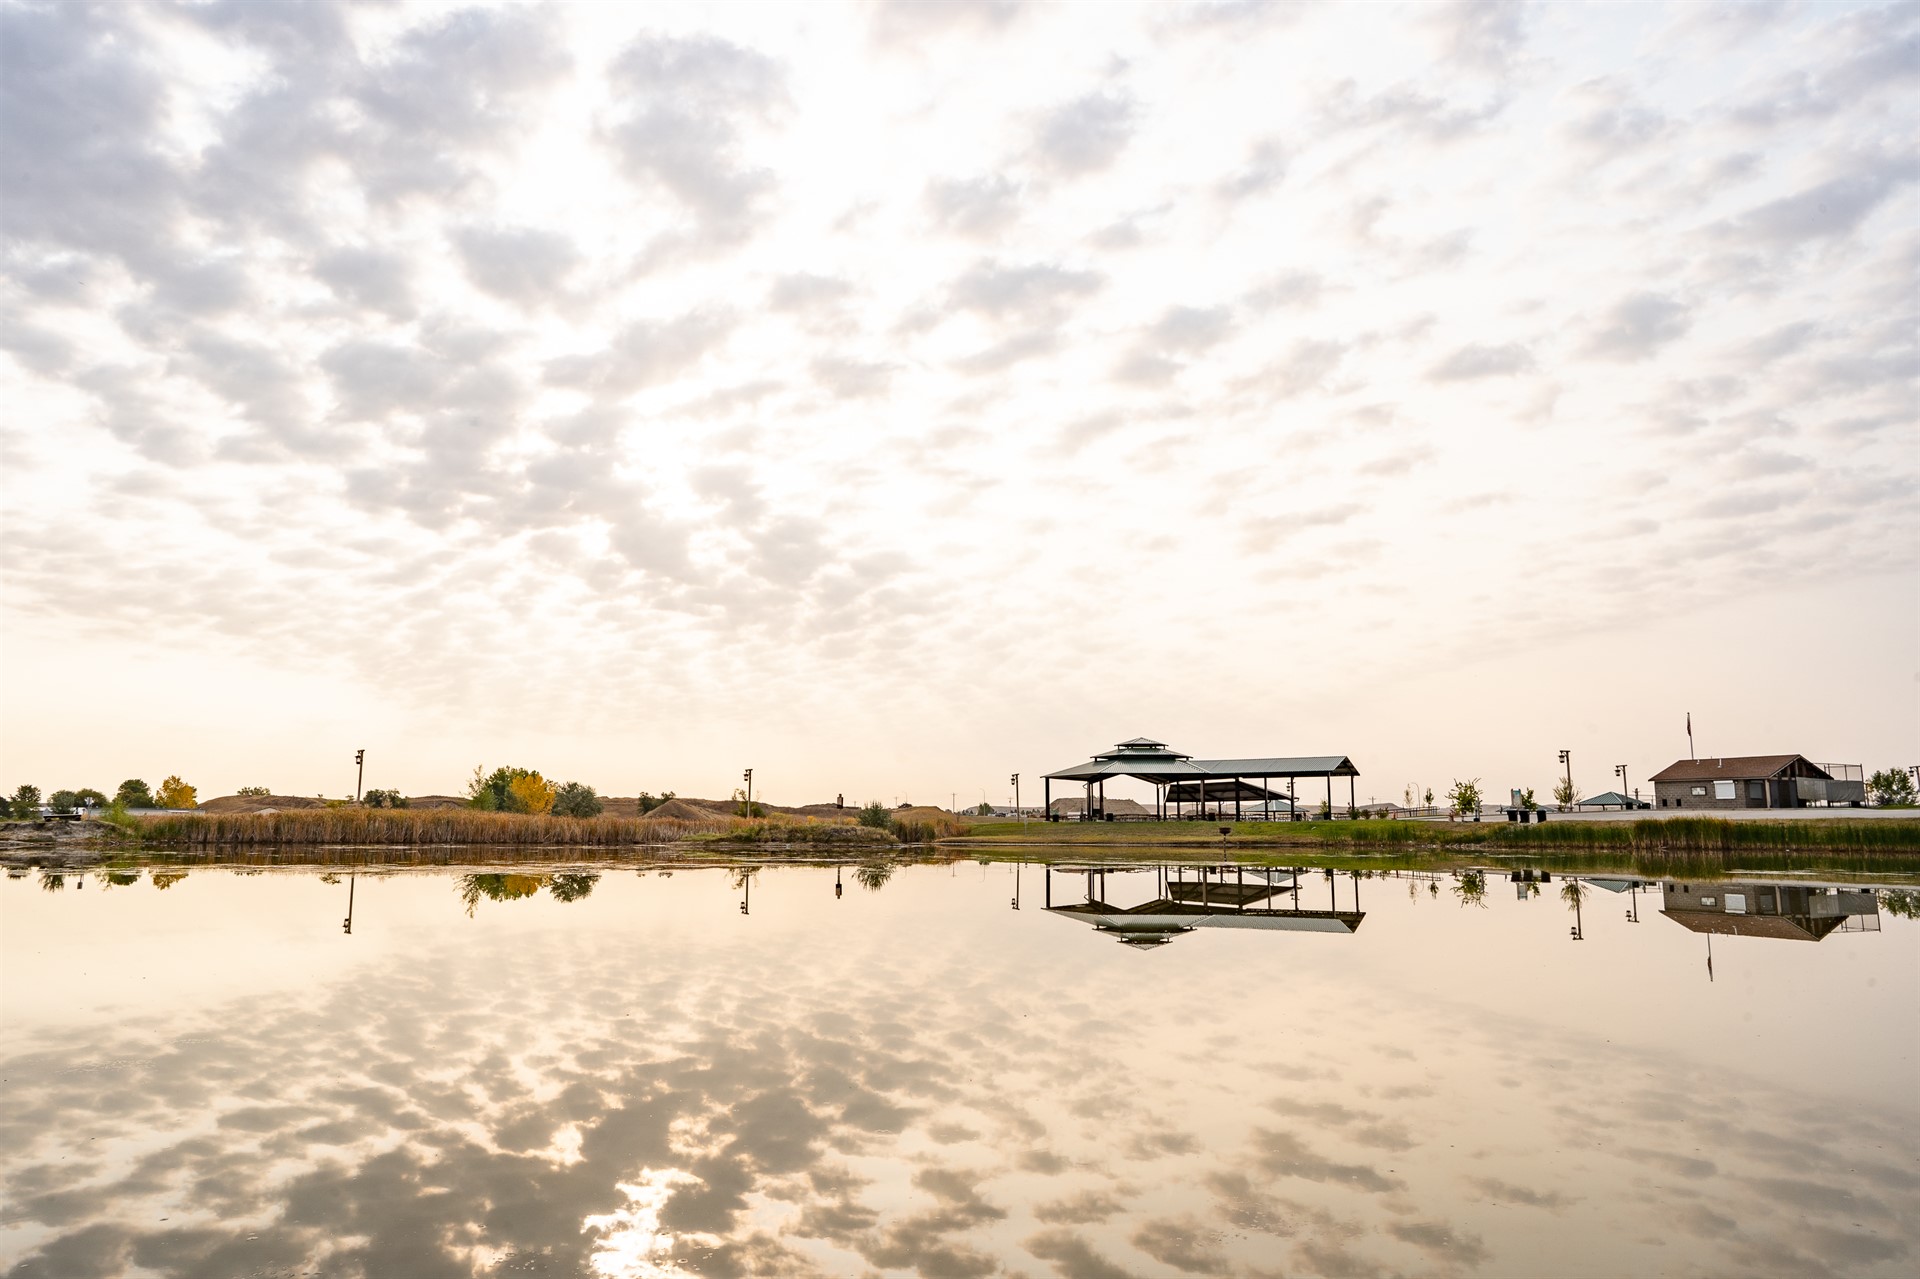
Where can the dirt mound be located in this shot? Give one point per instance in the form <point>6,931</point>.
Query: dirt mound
<point>256,803</point>
<point>687,810</point>
<point>437,801</point>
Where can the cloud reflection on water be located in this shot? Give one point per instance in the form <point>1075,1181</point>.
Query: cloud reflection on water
<point>583,1101</point>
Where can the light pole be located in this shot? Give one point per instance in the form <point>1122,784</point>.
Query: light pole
<point>360,763</point>
<point>1620,771</point>
<point>1566,758</point>
<point>748,776</point>
<point>1015,779</point>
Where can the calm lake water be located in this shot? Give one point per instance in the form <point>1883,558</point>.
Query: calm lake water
<point>625,1073</point>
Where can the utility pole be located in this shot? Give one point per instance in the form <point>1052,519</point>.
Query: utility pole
<point>360,762</point>
<point>1015,779</point>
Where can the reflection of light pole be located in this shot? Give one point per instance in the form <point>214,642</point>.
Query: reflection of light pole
<point>1633,911</point>
<point>1016,885</point>
<point>746,886</point>
<point>348,926</point>
<point>360,763</point>
<point>837,890</point>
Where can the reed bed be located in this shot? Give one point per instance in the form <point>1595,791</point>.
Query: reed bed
<point>389,827</point>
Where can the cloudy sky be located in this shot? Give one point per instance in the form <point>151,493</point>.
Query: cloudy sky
<point>891,397</point>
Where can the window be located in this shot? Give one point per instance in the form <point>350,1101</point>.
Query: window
<point>1723,790</point>
<point>1756,790</point>
<point>1700,790</point>
<point>1736,903</point>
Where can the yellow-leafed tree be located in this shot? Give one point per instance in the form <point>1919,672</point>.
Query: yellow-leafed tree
<point>531,794</point>
<point>174,793</point>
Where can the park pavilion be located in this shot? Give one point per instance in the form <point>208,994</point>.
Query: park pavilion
<point>1182,783</point>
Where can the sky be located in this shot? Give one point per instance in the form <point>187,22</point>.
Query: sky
<point>893,397</point>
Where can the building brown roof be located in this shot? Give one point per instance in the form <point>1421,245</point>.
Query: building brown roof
<point>1784,927</point>
<point>1736,768</point>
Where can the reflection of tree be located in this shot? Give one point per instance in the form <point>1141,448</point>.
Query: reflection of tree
<point>1903,902</point>
<point>118,878</point>
<point>742,876</point>
<point>873,876</point>
<point>167,878</point>
<point>52,881</point>
<point>497,888</point>
<point>330,878</point>
<point>1573,892</point>
<point>1470,886</point>
<point>572,887</point>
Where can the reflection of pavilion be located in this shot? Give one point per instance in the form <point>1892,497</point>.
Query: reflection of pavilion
<point>1792,912</point>
<point>1188,897</point>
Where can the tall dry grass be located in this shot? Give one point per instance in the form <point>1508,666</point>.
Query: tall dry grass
<point>403,827</point>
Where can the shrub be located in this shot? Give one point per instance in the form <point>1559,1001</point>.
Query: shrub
<point>253,792</point>
<point>25,801</point>
<point>63,801</point>
<point>1891,788</point>
<point>134,794</point>
<point>576,799</point>
<point>650,801</point>
<point>385,799</point>
<point>875,814</point>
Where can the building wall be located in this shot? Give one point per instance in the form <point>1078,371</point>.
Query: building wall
<point>1680,795</point>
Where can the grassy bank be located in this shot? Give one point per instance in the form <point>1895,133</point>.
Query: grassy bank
<point>389,827</point>
<point>1672,835</point>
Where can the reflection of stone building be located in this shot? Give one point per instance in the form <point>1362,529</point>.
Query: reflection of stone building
<point>1795,912</point>
<point>1181,899</point>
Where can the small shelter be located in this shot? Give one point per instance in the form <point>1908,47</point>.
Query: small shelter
<point>1153,762</point>
<point>1611,799</point>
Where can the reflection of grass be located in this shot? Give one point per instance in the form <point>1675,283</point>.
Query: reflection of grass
<point>1667,837</point>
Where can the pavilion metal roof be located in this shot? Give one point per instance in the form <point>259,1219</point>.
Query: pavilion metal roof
<point>1153,762</point>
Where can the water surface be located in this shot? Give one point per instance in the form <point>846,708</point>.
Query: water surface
<point>806,1070</point>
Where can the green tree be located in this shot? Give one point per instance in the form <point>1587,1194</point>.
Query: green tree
<point>985,809</point>
<point>1527,801</point>
<point>254,792</point>
<point>1565,794</point>
<point>25,801</point>
<point>134,794</point>
<point>91,797</point>
<point>384,799</point>
<point>1464,798</point>
<point>175,793</point>
<point>649,801</point>
<point>576,799</point>
<point>1891,788</point>
<point>63,801</point>
<point>744,809</point>
<point>875,814</point>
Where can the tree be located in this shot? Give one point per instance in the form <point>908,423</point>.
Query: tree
<point>1891,788</point>
<point>384,799</point>
<point>63,801</point>
<point>91,797</point>
<point>576,799</point>
<point>985,809</point>
<point>496,792</point>
<point>254,792</point>
<point>134,794</point>
<point>1464,798</point>
<point>1565,794</point>
<point>25,801</point>
<point>1527,801</point>
<point>1429,797</point>
<point>531,794</point>
<point>875,814</point>
<point>175,793</point>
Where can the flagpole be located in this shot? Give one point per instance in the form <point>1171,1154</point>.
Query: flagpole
<point>1690,754</point>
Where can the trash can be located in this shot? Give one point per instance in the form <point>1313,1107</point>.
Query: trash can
<point>1542,814</point>
<point>1516,814</point>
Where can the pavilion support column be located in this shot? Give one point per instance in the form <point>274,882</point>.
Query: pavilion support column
<point>1236,799</point>
<point>1329,796</point>
<point>1046,798</point>
<point>1103,804</point>
<point>1353,805</point>
<point>1293,787</point>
